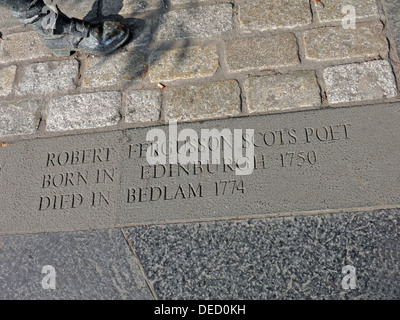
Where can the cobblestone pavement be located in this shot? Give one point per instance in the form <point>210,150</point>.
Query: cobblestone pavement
<point>191,60</point>
<point>227,58</point>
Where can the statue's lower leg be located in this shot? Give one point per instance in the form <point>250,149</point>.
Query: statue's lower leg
<point>63,35</point>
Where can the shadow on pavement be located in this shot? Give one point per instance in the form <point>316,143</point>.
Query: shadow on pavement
<point>138,27</point>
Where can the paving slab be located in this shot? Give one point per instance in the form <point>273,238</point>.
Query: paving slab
<point>20,117</point>
<point>332,43</point>
<point>332,159</point>
<point>50,179</point>
<point>88,265</point>
<point>198,22</point>
<point>336,10</point>
<point>353,82</point>
<point>273,14</point>
<point>275,92</point>
<point>286,258</point>
<point>22,46</point>
<point>316,160</point>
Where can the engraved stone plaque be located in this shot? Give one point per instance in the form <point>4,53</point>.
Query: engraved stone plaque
<point>66,183</point>
<point>306,161</point>
<point>331,159</point>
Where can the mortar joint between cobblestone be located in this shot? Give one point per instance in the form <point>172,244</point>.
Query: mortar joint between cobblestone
<point>396,79</point>
<point>313,11</point>
<point>78,80</point>
<point>43,110</point>
<point>392,55</point>
<point>163,109</point>
<point>222,69</point>
<point>235,17</point>
<point>319,74</point>
<point>244,108</point>
<point>122,109</point>
<point>301,50</point>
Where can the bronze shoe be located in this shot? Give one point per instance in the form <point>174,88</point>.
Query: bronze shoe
<point>70,35</point>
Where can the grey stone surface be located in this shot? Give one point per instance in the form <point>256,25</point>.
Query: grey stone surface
<point>116,69</point>
<point>335,10</point>
<point>19,117</point>
<point>183,63</point>
<point>319,160</point>
<point>393,12</point>
<point>264,15</point>
<point>281,92</point>
<point>360,81</point>
<point>198,22</point>
<point>202,101</point>
<point>22,46</point>
<point>262,52</point>
<point>285,258</point>
<point>331,159</point>
<point>48,77</point>
<point>143,106</point>
<point>195,43</point>
<point>60,184</point>
<point>93,265</point>
<point>84,111</point>
<point>7,76</point>
<point>7,21</point>
<point>338,43</point>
